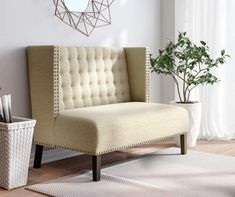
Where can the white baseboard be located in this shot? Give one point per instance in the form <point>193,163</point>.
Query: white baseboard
<point>50,155</point>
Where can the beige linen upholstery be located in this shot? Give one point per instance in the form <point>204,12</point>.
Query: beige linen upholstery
<point>92,76</point>
<point>40,61</point>
<point>138,73</point>
<point>94,100</point>
<point>101,129</point>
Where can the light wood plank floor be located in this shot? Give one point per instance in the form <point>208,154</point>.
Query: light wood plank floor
<point>78,164</point>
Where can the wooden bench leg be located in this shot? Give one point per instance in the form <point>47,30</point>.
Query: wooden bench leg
<point>183,144</point>
<point>38,156</point>
<point>96,165</point>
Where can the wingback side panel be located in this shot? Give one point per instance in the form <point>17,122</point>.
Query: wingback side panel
<point>92,76</point>
<point>40,62</point>
<point>138,73</point>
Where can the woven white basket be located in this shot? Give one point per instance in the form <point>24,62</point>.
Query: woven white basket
<point>15,148</point>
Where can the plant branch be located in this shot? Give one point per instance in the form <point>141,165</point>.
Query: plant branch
<point>184,80</point>
<point>189,93</point>
<point>193,87</point>
<point>177,75</point>
<point>177,86</point>
<point>199,72</point>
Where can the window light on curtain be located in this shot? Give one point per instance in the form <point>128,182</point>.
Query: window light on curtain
<point>213,22</point>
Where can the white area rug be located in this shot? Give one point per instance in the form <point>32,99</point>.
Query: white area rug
<point>162,174</point>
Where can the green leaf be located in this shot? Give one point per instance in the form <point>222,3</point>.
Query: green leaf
<point>223,52</point>
<point>221,60</point>
<point>203,43</point>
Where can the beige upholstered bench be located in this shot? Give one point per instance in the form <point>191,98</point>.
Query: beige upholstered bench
<point>95,101</point>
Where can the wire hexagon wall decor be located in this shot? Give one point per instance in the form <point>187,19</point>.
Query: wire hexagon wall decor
<point>97,14</point>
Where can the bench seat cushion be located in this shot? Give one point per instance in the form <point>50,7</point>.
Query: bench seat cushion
<point>100,129</point>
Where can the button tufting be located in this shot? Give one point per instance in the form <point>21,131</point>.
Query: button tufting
<point>83,69</point>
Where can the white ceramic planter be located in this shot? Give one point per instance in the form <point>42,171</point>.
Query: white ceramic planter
<point>194,120</point>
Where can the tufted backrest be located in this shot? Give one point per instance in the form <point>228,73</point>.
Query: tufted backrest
<point>92,76</point>
<point>69,77</point>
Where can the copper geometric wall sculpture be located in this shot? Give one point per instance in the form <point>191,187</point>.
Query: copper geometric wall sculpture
<point>97,14</point>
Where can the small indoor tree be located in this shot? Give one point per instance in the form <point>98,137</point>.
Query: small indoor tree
<point>189,65</point>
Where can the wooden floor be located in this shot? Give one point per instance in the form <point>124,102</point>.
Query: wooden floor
<point>78,164</point>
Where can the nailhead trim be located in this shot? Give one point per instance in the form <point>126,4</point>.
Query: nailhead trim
<point>108,151</point>
<point>44,144</point>
<point>56,80</point>
<point>147,74</point>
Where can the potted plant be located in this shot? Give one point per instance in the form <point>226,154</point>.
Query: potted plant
<point>189,65</point>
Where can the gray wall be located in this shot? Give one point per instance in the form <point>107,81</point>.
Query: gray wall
<point>168,33</point>
<point>31,22</point>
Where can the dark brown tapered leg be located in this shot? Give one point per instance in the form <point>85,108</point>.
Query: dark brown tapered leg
<point>96,165</point>
<point>183,144</point>
<point>38,156</point>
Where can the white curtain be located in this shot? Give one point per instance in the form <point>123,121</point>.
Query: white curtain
<point>214,22</point>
